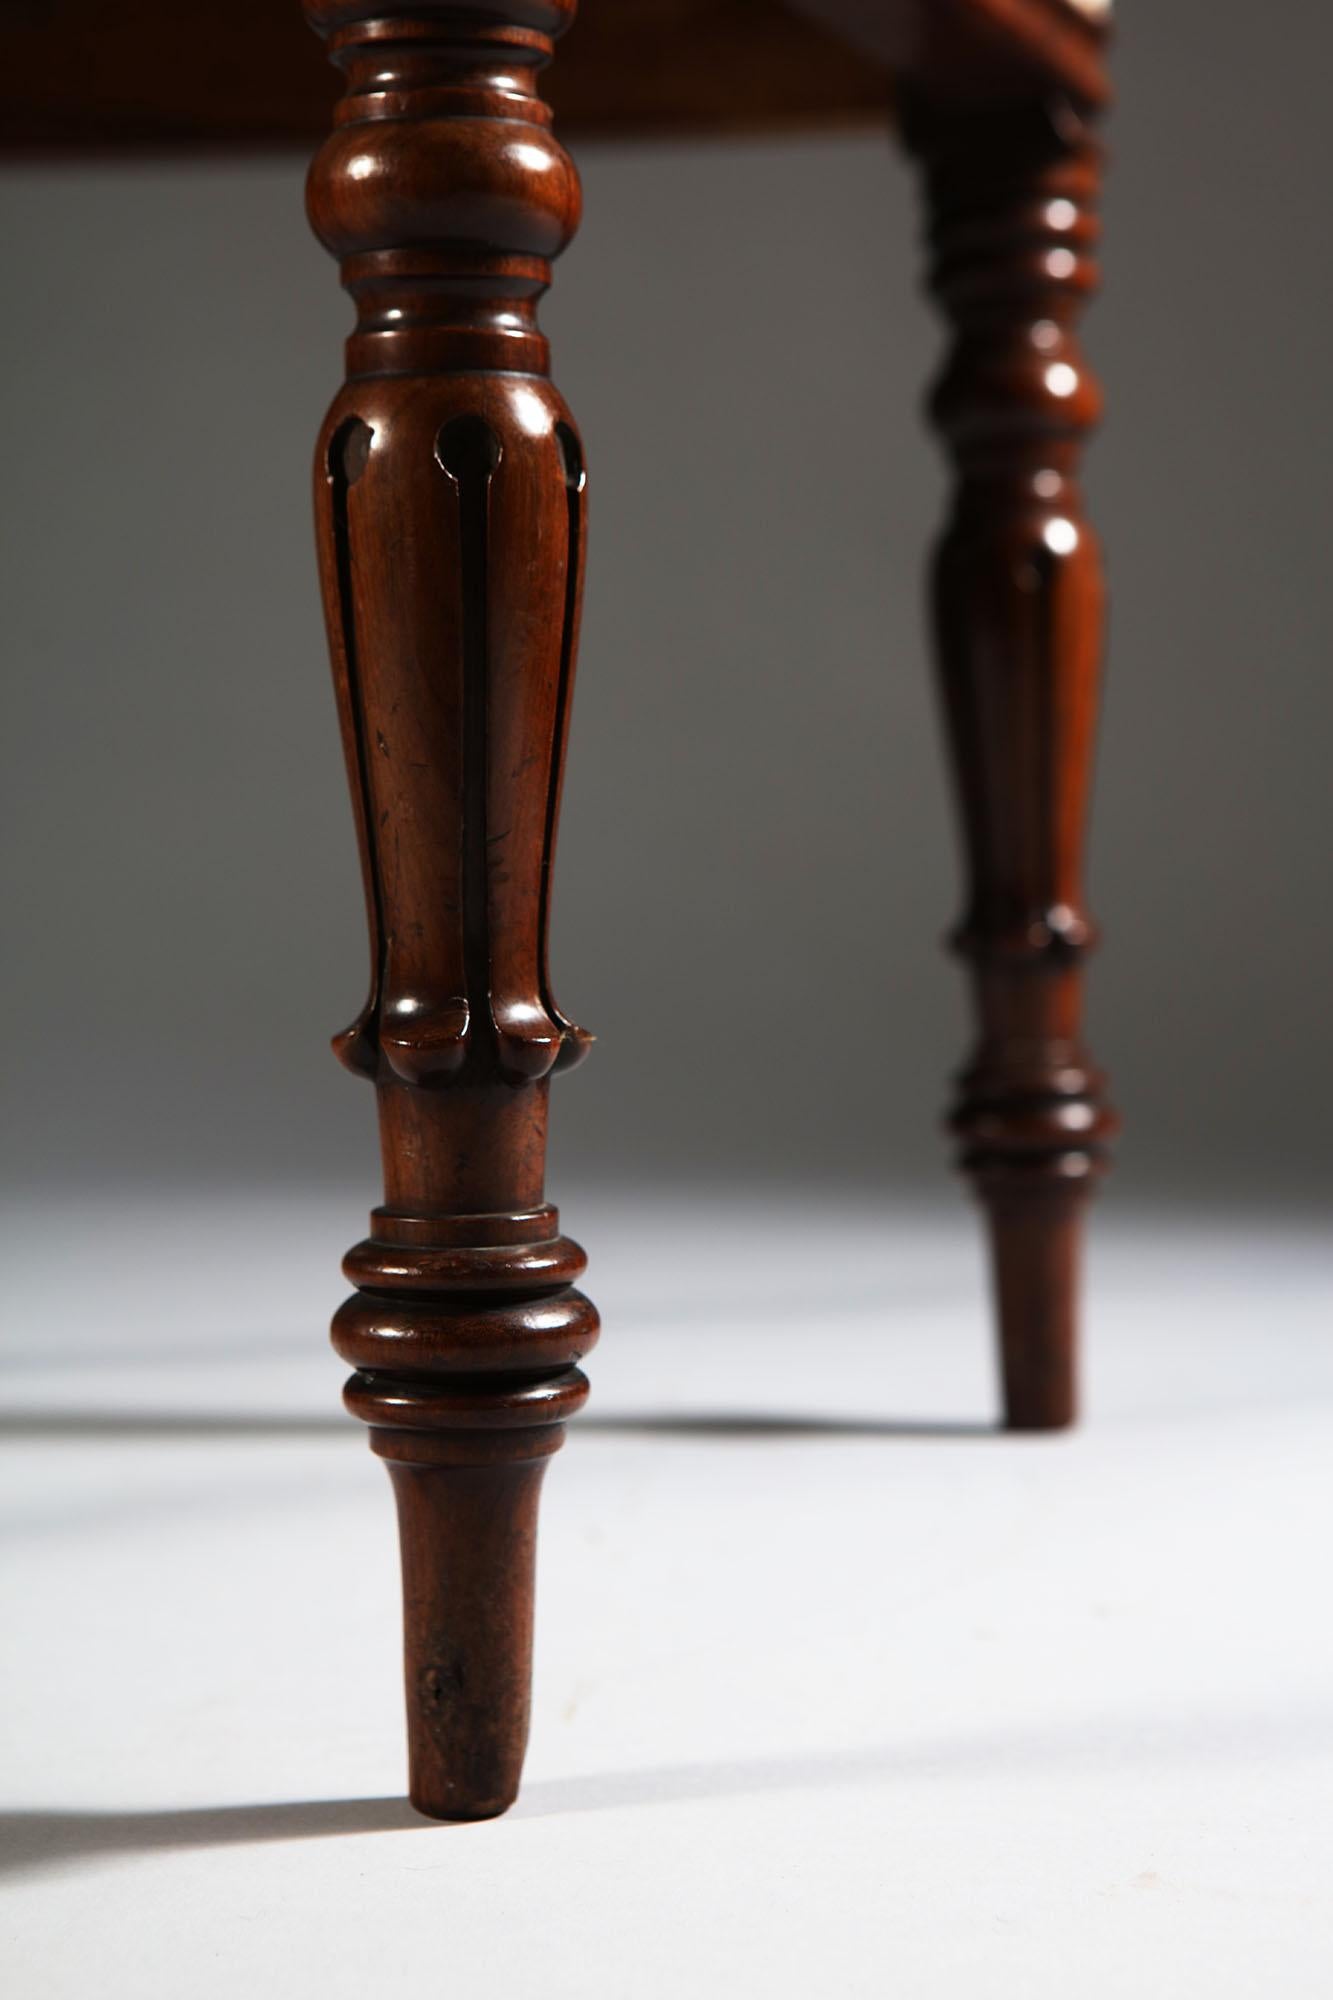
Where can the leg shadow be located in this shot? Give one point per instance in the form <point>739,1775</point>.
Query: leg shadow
<point>36,1842</point>
<point>1091,1748</point>
<point>131,1424</point>
<point>738,1425</point>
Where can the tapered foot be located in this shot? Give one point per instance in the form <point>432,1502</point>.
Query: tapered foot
<point>468,1536</point>
<point>466,1460</point>
<point>1036,1240</point>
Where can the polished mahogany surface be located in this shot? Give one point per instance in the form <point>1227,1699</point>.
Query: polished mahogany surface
<point>145,74</point>
<point>978,50</point>
<point>1011,196</point>
<point>450,499</point>
<point>155,73</point>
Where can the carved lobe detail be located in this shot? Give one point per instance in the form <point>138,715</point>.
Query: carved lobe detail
<point>450,504</point>
<point>445,195</point>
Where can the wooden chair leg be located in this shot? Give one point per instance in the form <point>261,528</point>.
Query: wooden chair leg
<point>1018,606</point>
<point>450,500</point>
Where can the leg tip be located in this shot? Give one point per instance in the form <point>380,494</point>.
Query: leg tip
<point>456,1811</point>
<point>465,1780</point>
<point>1031,1423</point>
<point>1039,1387</point>
<point>1035,1243</point>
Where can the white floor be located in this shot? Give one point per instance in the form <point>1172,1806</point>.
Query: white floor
<point>866,1702</point>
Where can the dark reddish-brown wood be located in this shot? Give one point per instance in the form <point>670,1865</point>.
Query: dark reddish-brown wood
<point>977,51</point>
<point>160,74</point>
<point>450,504</point>
<point>1012,193</point>
<point>450,501</point>
<point>157,74</point>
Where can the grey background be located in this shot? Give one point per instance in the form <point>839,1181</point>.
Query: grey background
<point>757,857</point>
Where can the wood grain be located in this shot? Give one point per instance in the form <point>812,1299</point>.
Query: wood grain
<point>153,75</point>
<point>449,494</point>
<point>149,75</point>
<point>1018,599</point>
<point>978,51</point>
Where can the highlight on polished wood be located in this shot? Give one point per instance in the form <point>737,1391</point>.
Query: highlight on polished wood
<point>153,75</point>
<point>450,495</point>
<point>1018,597</point>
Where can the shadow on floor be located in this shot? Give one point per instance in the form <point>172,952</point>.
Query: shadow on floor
<point>719,1425</point>
<point>147,1424</point>
<point>1092,1748</point>
<point>44,1842</point>
<point>35,1842</point>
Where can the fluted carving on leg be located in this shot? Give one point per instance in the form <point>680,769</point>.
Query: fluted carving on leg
<point>449,491</point>
<point>1018,605</point>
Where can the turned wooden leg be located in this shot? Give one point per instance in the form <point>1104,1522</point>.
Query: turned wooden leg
<point>450,500</point>
<point>1018,603</point>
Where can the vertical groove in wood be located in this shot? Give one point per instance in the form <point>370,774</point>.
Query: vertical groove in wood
<point>1018,606</point>
<point>450,537</point>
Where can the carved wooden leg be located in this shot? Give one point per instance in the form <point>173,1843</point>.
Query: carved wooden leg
<point>1018,609</point>
<point>449,496</point>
